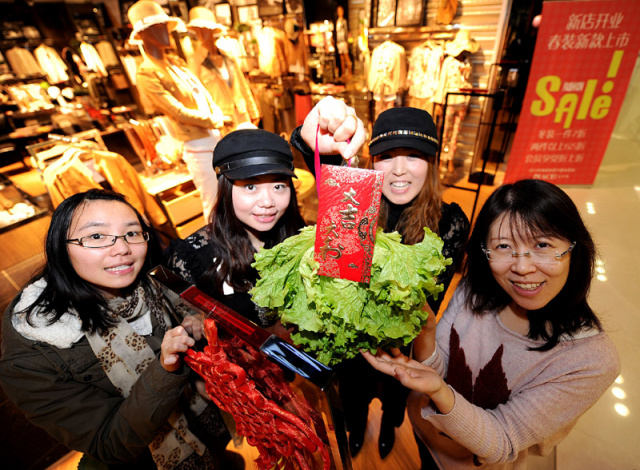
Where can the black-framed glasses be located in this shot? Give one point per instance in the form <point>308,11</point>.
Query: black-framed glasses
<point>538,255</point>
<point>100,240</point>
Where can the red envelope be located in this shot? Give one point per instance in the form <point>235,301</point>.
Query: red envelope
<point>348,207</point>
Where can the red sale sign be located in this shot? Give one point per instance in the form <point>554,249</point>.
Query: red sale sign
<point>584,56</point>
<point>348,207</point>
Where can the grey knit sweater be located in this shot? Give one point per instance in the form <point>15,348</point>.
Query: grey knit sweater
<point>509,400</point>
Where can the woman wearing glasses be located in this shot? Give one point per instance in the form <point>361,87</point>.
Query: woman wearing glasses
<point>518,355</point>
<point>91,352</point>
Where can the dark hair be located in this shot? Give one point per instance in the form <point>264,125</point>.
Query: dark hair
<point>65,289</point>
<point>424,211</point>
<point>232,249</point>
<point>534,208</point>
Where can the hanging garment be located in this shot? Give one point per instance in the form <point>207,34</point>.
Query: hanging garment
<point>75,64</point>
<point>446,11</point>
<point>23,62</point>
<point>424,70</point>
<point>52,64</point>
<point>387,71</point>
<point>272,60</point>
<point>296,56</point>
<point>67,176</point>
<point>107,54</point>
<point>124,178</point>
<point>92,59</point>
<point>71,174</point>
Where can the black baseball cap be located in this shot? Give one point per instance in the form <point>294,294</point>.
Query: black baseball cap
<point>404,127</point>
<point>247,153</point>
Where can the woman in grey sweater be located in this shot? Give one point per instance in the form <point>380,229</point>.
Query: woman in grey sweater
<point>519,355</point>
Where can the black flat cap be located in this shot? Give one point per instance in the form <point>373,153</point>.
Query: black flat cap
<point>404,127</point>
<point>248,153</point>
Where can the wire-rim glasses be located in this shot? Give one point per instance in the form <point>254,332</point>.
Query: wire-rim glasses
<point>100,240</point>
<point>543,255</point>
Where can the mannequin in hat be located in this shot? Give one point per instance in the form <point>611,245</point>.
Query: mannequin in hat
<point>220,73</point>
<point>175,91</point>
<point>403,145</point>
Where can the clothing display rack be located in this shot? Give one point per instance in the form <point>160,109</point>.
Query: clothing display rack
<point>496,104</point>
<point>43,153</point>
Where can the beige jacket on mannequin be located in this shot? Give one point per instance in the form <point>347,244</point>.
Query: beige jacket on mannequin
<point>174,98</point>
<point>234,97</point>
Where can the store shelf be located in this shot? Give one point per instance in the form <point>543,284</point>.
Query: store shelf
<point>16,207</point>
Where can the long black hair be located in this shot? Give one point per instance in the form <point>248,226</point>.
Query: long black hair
<point>232,249</point>
<point>534,208</point>
<point>65,289</point>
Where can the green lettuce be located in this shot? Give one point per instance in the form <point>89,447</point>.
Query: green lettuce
<point>334,318</point>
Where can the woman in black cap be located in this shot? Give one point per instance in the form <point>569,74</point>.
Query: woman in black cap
<point>256,207</point>
<point>404,143</point>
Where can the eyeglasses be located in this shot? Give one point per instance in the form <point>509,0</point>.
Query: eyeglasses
<point>539,255</point>
<point>99,240</point>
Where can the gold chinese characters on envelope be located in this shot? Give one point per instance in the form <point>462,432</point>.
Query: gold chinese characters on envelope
<point>348,207</point>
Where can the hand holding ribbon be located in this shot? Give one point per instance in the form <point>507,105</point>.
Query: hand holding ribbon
<point>338,129</point>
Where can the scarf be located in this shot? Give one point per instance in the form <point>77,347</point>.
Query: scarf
<point>124,355</point>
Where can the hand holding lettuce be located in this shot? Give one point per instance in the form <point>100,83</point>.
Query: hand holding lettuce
<point>335,318</point>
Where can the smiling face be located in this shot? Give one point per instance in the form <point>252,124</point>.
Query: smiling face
<point>531,286</point>
<point>405,171</point>
<point>259,203</point>
<point>112,268</point>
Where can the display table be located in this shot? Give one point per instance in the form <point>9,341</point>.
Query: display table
<point>179,199</point>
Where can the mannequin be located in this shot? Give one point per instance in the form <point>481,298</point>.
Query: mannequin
<point>342,33</point>
<point>175,91</point>
<point>221,74</point>
<point>454,77</point>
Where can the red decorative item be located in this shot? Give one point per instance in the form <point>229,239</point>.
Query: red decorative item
<point>348,207</point>
<point>584,58</point>
<point>288,433</point>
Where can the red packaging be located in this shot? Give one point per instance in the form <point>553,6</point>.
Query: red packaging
<point>348,207</point>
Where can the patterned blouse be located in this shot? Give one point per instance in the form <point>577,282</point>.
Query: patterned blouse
<point>190,258</point>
